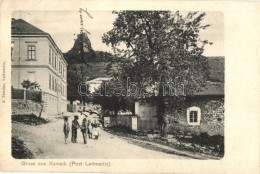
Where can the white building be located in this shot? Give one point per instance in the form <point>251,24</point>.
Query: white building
<point>95,84</point>
<point>36,57</point>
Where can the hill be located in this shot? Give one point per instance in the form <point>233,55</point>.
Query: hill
<point>95,63</point>
<point>217,69</point>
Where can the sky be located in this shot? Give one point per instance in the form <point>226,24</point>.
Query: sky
<point>63,26</point>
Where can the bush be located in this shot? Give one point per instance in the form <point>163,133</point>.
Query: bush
<point>29,119</point>
<point>34,95</point>
<point>204,139</point>
<point>30,94</point>
<point>17,93</point>
<point>123,129</point>
<point>19,151</point>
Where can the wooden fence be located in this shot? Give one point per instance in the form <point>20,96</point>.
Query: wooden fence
<point>142,124</point>
<point>123,120</point>
<point>147,124</point>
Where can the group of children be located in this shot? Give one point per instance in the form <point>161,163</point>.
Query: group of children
<point>87,129</point>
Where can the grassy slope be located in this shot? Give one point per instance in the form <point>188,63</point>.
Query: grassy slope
<point>217,68</point>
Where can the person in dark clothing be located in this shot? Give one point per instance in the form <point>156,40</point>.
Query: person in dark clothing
<point>84,130</point>
<point>66,129</point>
<point>74,127</point>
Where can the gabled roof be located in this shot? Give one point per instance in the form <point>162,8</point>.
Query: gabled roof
<point>212,89</point>
<point>21,27</point>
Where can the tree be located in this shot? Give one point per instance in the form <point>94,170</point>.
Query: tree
<point>158,46</point>
<point>109,101</point>
<point>76,76</point>
<point>27,84</point>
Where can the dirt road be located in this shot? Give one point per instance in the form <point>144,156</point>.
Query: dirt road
<point>47,141</point>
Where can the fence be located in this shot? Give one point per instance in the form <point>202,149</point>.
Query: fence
<point>30,94</point>
<point>147,124</point>
<point>123,120</point>
<point>126,120</point>
<point>17,93</point>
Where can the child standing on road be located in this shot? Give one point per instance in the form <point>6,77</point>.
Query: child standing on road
<point>95,130</point>
<point>75,125</point>
<point>84,129</point>
<point>66,129</point>
<point>89,129</point>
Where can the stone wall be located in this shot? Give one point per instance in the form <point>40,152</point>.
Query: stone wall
<point>212,116</point>
<point>25,107</point>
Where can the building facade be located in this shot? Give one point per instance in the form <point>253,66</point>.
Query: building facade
<point>36,57</point>
<point>202,112</point>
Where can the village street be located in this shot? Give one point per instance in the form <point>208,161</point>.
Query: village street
<point>47,141</point>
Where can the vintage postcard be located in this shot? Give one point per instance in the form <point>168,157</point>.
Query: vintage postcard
<point>130,87</point>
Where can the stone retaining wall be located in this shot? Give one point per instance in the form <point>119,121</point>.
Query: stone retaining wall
<point>25,107</point>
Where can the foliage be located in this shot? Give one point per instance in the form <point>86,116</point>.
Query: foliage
<point>76,76</point>
<point>217,69</point>
<point>27,84</point>
<point>155,47</point>
<point>109,99</point>
<point>161,44</point>
<point>73,81</point>
<point>19,150</point>
<point>204,139</point>
<point>33,95</point>
<point>84,64</point>
<point>29,119</point>
<point>81,51</point>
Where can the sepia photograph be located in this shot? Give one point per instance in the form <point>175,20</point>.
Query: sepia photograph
<point>122,84</point>
<point>141,86</point>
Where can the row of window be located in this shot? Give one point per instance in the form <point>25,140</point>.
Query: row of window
<point>56,62</point>
<point>54,86</point>
<point>54,59</point>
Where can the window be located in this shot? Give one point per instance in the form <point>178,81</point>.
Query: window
<point>59,67</point>
<point>65,73</point>
<point>31,52</point>
<point>50,56</point>
<point>52,59</point>
<point>12,49</point>
<point>49,81</point>
<point>55,63</point>
<point>52,84</point>
<point>193,115</point>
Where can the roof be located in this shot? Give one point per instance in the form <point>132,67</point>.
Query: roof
<point>98,80</point>
<point>20,26</point>
<point>213,89</point>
